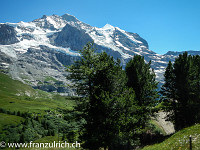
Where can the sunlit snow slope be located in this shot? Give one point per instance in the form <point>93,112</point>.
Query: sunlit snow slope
<point>36,52</point>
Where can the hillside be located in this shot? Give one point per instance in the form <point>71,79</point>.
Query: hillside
<point>27,114</point>
<point>180,140</point>
<point>24,108</point>
<point>16,96</point>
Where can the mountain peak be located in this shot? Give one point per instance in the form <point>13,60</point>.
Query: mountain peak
<point>69,17</point>
<point>108,27</point>
<point>44,17</point>
<point>52,41</point>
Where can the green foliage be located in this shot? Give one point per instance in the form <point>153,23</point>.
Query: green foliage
<point>82,71</point>
<point>155,128</point>
<point>141,79</point>
<point>26,132</point>
<point>35,116</point>
<point>108,107</point>
<point>6,119</point>
<point>181,90</point>
<point>168,86</point>
<point>34,128</point>
<point>122,114</point>
<point>168,92</point>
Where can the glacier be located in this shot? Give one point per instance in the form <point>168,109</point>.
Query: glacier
<point>33,51</point>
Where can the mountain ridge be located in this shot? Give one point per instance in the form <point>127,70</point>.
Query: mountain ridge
<point>40,48</point>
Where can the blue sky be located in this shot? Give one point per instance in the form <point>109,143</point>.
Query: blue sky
<point>165,24</point>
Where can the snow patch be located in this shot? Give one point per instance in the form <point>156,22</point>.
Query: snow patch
<point>120,45</point>
<point>108,27</point>
<point>129,36</point>
<point>8,50</point>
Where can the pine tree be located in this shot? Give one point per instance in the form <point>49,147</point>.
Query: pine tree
<point>181,90</point>
<point>182,81</point>
<point>100,81</point>
<point>196,88</point>
<point>168,94</point>
<point>82,71</point>
<point>168,86</point>
<point>141,78</point>
<point>123,113</point>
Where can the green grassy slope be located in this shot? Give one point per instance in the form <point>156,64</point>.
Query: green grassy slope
<point>180,140</point>
<point>6,119</point>
<point>16,96</point>
<point>18,99</point>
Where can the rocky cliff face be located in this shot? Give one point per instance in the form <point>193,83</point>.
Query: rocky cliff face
<point>43,68</point>
<point>36,52</point>
<point>72,37</point>
<point>8,35</point>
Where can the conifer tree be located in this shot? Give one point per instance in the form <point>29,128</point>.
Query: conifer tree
<point>168,94</point>
<point>181,90</point>
<point>182,72</point>
<point>107,110</point>
<point>168,86</point>
<point>142,79</point>
<point>196,87</point>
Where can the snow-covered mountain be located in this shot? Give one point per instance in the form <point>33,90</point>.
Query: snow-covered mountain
<point>36,52</point>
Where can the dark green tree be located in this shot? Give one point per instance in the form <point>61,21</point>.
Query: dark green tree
<point>141,78</point>
<point>100,81</point>
<point>181,90</point>
<point>196,87</point>
<point>168,94</point>
<point>82,71</point>
<point>122,114</point>
<point>182,82</point>
<point>168,87</point>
